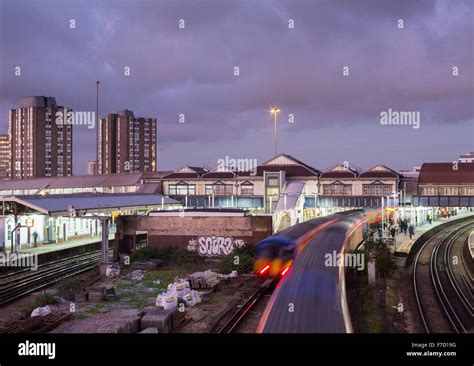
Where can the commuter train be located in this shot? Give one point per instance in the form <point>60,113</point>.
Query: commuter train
<point>275,254</point>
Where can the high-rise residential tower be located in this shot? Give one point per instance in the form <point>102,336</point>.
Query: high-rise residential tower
<point>126,143</point>
<point>39,146</point>
<point>4,157</point>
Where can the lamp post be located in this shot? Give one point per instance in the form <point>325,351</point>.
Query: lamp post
<point>97,126</point>
<point>275,111</point>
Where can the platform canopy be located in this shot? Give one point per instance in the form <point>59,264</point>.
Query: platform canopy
<point>85,204</point>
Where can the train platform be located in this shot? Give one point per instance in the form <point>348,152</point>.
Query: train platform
<point>403,243</point>
<point>46,248</point>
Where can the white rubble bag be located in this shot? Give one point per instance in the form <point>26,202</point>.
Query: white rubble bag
<point>112,271</point>
<point>170,302</point>
<point>41,311</point>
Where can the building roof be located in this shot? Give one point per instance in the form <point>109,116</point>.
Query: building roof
<point>76,181</point>
<point>220,175</point>
<point>187,172</point>
<point>156,175</point>
<point>60,204</point>
<point>290,170</point>
<point>444,173</point>
<point>150,188</point>
<point>340,171</point>
<point>379,171</point>
<point>288,160</point>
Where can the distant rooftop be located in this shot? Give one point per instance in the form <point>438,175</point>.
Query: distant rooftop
<point>38,101</point>
<point>446,173</point>
<point>78,181</point>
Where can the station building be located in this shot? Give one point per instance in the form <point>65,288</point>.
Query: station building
<point>284,187</point>
<point>448,188</point>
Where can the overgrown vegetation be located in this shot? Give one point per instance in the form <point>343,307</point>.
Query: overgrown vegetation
<point>40,301</point>
<point>241,260</point>
<point>169,255</point>
<point>68,288</point>
<point>369,306</point>
<point>385,264</point>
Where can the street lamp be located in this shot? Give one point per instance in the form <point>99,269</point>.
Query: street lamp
<point>275,111</point>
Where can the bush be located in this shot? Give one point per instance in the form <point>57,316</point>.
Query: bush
<point>385,265</point>
<point>243,256</point>
<point>169,255</point>
<point>41,301</point>
<point>69,287</point>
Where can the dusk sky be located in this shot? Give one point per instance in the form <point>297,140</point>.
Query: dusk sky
<point>190,71</point>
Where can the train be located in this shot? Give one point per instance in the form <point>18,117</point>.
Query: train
<point>275,254</point>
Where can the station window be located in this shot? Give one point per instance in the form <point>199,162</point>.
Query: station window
<point>182,189</point>
<point>246,189</point>
<point>219,189</point>
<point>273,182</point>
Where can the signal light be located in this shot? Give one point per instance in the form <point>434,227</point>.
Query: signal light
<point>264,269</point>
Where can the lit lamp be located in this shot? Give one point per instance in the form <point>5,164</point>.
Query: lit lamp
<point>275,111</point>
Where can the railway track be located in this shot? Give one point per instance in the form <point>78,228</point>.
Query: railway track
<point>245,319</point>
<point>443,298</point>
<point>17,284</point>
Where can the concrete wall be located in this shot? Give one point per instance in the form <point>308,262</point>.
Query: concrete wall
<point>208,236</point>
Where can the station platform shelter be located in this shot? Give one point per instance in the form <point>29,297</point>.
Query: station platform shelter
<point>34,221</point>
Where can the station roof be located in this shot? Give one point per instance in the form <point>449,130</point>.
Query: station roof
<point>187,172</point>
<point>445,173</point>
<point>379,171</point>
<point>340,171</point>
<point>60,204</point>
<point>288,163</point>
<point>75,181</point>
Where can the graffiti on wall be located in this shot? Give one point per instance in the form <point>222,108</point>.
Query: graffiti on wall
<point>214,246</point>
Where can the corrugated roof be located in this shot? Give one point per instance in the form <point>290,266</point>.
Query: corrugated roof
<point>444,173</point>
<point>150,188</point>
<point>38,183</point>
<point>75,181</point>
<point>61,203</point>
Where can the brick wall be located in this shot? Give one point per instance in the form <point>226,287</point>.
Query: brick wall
<point>184,232</point>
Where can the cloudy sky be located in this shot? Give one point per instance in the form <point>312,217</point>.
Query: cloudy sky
<point>191,71</point>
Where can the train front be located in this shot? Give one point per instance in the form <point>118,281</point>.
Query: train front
<point>274,256</point>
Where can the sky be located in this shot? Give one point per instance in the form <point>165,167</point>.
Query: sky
<point>400,56</point>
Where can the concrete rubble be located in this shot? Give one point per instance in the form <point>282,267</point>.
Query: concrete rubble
<point>117,321</point>
<point>163,320</point>
<point>232,274</point>
<point>149,331</point>
<point>204,280</point>
<point>137,275</point>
